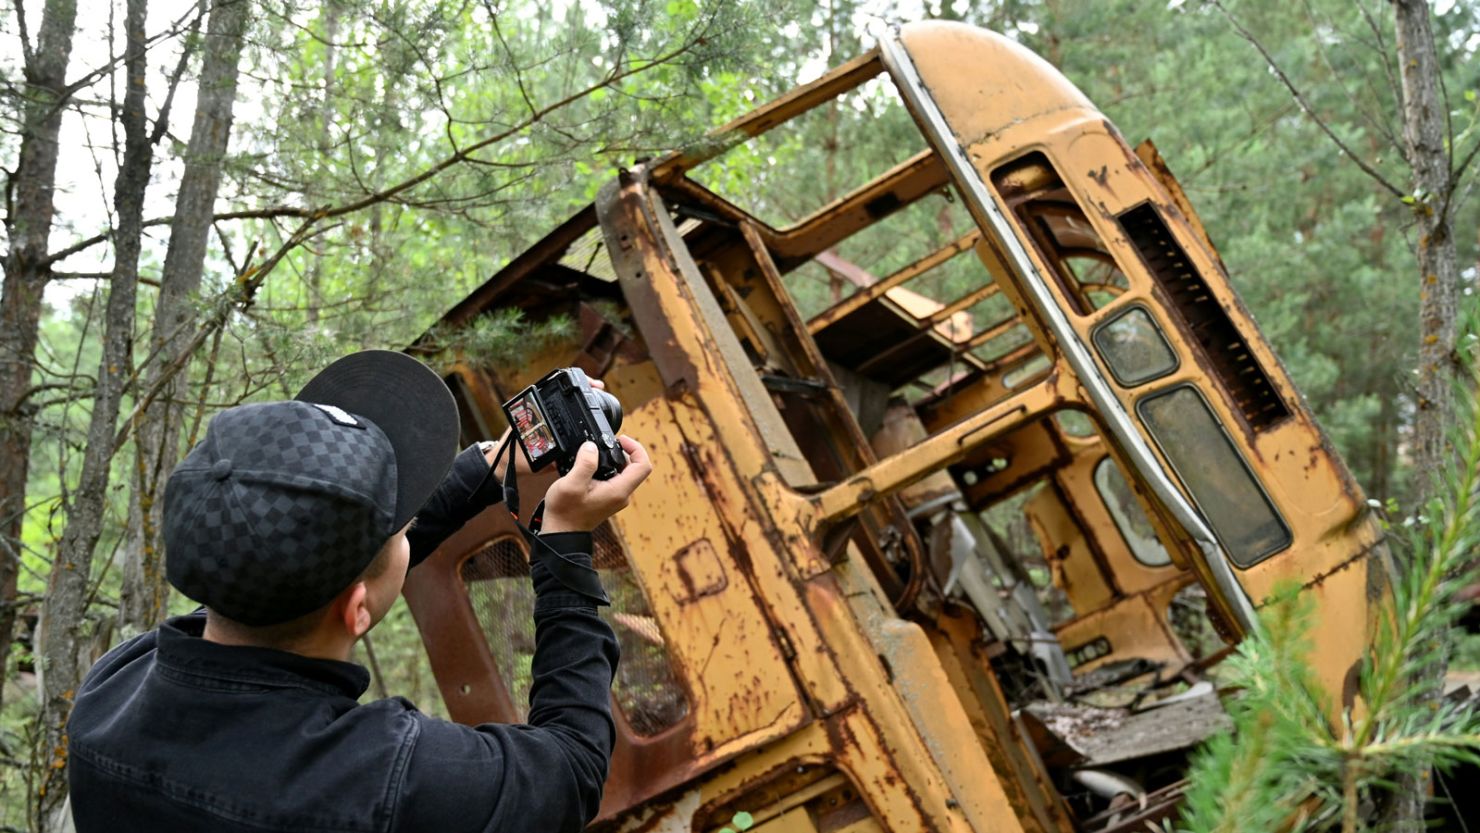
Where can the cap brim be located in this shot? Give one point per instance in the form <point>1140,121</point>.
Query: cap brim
<point>410,403</point>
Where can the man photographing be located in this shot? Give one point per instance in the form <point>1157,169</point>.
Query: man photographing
<point>292,523</point>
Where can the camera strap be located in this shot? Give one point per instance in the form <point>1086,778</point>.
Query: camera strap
<point>511,490</point>
<point>574,575</point>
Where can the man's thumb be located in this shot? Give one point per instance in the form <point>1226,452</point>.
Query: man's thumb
<point>584,466</point>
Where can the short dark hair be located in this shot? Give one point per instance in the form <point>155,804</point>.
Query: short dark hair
<point>284,635</point>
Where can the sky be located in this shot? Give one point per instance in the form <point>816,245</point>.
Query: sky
<point>86,167</point>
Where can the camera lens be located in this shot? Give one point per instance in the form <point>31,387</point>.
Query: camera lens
<point>611,408</point>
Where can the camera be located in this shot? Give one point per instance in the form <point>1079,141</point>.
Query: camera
<point>555,415</point>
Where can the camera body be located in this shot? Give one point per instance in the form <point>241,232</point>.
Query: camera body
<point>552,417</point>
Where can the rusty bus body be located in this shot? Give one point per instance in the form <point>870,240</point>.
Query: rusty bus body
<point>821,630</point>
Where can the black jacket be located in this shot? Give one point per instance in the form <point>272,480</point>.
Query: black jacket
<point>173,733</point>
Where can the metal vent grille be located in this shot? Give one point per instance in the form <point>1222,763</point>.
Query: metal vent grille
<point>646,688</point>
<point>1205,318</point>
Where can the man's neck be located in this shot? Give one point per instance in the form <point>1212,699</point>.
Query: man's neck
<point>320,643</point>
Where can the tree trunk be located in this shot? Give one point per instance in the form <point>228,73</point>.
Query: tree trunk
<point>324,118</point>
<point>382,256</point>
<point>28,223</point>
<point>142,600</point>
<point>1424,132</point>
<point>66,627</point>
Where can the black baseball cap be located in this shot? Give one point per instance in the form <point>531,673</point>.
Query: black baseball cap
<point>283,504</point>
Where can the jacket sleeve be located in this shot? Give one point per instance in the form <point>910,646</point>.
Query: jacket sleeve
<point>468,489</point>
<point>546,775</point>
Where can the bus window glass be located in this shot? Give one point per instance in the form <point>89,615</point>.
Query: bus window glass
<point>1030,369</point>
<point>1134,348</point>
<point>1130,519</point>
<point>1075,424</point>
<point>1214,473</point>
<point>1228,354</point>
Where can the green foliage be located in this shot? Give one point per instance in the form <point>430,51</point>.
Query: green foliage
<point>1466,656</point>
<point>741,821</point>
<point>1280,753</point>
<point>502,338</point>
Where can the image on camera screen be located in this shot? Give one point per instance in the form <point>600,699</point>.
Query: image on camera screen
<point>529,422</point>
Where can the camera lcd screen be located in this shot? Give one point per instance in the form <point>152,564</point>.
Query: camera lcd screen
<point>529,423</point>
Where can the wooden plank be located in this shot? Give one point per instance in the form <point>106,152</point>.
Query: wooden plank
<point>1107,736</point>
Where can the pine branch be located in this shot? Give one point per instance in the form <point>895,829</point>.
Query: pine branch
<point>392,192</point>
<point>1305,105</point>
<point>1443,544</point>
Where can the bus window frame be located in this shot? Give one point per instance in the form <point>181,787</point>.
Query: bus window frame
<point>1116,315</point>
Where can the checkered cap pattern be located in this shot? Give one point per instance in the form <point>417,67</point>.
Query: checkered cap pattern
<point>277,510</point>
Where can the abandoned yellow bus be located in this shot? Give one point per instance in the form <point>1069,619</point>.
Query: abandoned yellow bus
<point>915,560</point>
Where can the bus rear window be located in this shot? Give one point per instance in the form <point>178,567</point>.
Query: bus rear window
<point>1134,348</point>
<point>1220,482</point>
<point>646,688</point>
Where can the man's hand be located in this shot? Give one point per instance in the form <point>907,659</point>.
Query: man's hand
<point>579,503</point>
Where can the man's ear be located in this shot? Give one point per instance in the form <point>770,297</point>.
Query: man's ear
<point>355,612</point>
